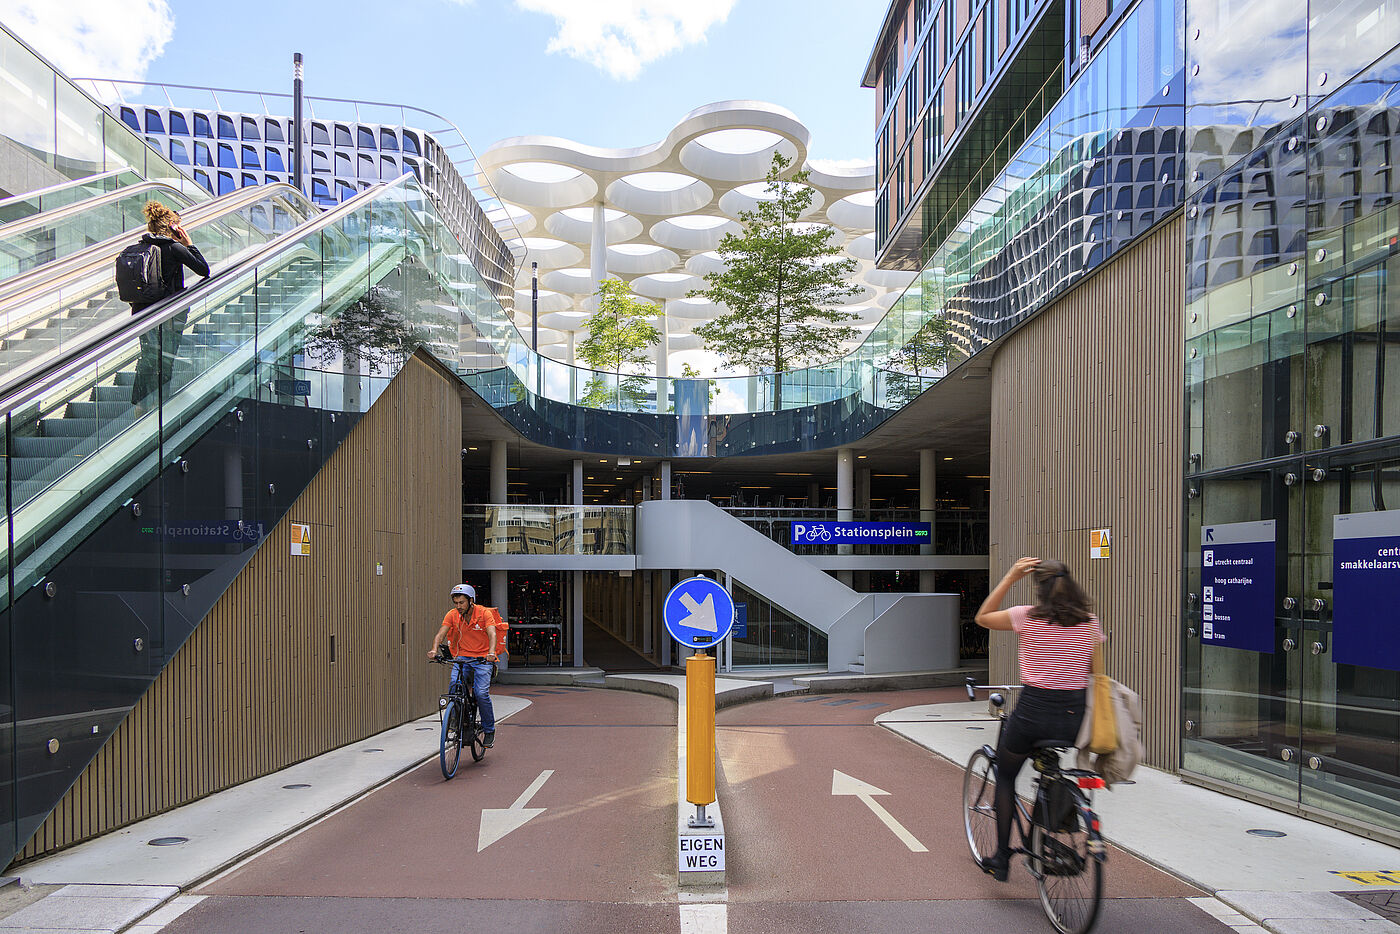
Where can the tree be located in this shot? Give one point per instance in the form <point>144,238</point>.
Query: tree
<point>374,330</point>
<point>619,335</point>
<point>779,283</point>
<point>924,356</point>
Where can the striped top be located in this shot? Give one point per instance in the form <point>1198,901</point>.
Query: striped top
<point>1054,657</point>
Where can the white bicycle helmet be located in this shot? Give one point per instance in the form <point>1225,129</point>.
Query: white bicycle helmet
<point>467,590</point>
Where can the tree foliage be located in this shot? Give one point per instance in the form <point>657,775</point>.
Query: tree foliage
<point>374,329</point>
<point>923,357</point>
<point>780,282</point>
<point>619,336</point>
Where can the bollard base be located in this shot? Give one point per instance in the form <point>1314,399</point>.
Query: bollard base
<point>699,819</point>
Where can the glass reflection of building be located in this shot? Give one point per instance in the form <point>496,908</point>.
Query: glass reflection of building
<point>1266,130</point>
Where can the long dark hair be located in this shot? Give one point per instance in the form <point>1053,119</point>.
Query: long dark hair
<point>1058,597</point>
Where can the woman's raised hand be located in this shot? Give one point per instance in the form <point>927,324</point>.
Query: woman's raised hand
<point>1022,567</point>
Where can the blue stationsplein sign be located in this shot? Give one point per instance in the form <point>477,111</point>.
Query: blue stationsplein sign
<point>861,533</point>
<point>698,612</point>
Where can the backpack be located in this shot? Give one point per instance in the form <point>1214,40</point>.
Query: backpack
<point>138,276</point>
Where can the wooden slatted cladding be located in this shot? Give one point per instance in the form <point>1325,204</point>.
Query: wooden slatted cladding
<point>254,689</point>
<point>1087,434</point>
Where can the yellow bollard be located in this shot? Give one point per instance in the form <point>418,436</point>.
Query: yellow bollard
<point>700,729</point>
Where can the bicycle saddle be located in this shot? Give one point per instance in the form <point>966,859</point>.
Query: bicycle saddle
<point>1052,744</point>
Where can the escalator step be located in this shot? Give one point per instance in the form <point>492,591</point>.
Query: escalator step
<point>40,448</point>
<point>71,427</point>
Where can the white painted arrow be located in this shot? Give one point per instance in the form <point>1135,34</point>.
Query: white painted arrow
<point>497,822</point>
<point>702,614</point>
<point>843,784</point>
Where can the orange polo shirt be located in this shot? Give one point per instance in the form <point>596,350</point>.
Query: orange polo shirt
<point>469,638</point>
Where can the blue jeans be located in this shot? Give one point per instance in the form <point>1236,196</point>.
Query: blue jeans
<point>481,686</point>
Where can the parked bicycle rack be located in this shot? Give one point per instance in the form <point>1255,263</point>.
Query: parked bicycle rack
<point>542,640</point>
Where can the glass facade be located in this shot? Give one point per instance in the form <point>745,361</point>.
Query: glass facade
<point>1293,440</point>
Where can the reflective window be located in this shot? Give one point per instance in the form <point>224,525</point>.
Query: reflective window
<point>388,168</point>
<point>226,127</point>
<point>250,128</point>
<point>154,144</point>
<point>319,162</point>
<point>201,126</point>
<point>274,161</point>
<point>273,180</point>
<point>364,137</point>
<point>225,183</point>
<point>178,126</point>
<point>201,154</point>
<point>319,136</point>
<point>366,167</point>
<point>250,157</point>
<point>226,159</point>
<point>388,141</point>
<point>344,191</point>
<point>410,142</point>
<point>319,191</point>
<point>249,180</point>
<point>413,167</point>
<point>202,178</point>
<point>342,164</point>
<point>153,121</point>
<point>272,131</point>
<point>342,136</point>
<point>178,154</point>
<point>129,118</point>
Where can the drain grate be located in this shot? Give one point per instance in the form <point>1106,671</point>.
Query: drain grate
<point>167,841</point>
<point>296,785</point>
<point>1267,833</point>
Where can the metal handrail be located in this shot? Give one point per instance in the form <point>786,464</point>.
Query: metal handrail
<point>21,286</point>
<point>74,183</point>
<point>483,183</point>
<point>88,353</point>
<point>78,207</point>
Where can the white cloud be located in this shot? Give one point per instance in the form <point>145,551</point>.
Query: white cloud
<point>622,36</point>
<point>93,38</point>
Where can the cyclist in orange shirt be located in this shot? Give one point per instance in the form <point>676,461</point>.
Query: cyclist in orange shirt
<point>469,632</point>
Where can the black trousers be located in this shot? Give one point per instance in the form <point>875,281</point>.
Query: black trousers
<point>1040,714</point>
<point>159,347</point>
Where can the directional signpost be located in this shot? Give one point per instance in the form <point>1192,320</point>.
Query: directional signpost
<point>698,612</point>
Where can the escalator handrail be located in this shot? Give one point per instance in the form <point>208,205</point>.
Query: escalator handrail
<point>72,183</point>
<point>40,277</point>
<point>88,353</point>
<point>45,218</point>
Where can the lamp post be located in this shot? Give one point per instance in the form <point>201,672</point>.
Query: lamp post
<point>296,123</point>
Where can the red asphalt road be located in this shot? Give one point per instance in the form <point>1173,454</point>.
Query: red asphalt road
<point>601,858</point>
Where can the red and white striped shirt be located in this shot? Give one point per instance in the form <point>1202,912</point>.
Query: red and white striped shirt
<point>1053,656</point>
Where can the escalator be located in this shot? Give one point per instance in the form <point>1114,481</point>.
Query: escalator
<point>129,511</point>
<point>59,303</point>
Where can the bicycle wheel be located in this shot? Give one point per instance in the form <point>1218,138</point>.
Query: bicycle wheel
<point>451,749</point>
<point>979,805</point>
<point>473,732</point>
<point>1069,878</point>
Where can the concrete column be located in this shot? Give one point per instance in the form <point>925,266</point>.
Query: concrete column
<point>928,498</point>
<point>663,352</point>
<point>863,491</point>
<point>845,494</point>
<point>573,362</point>
<point>814,494</point>
<point>498,472</point>
<point>648,612</point>
<point>500,580</point>
<point>665,635</point>
<point>665,479</point>
<point>576,610</point>
<point>598,248</point>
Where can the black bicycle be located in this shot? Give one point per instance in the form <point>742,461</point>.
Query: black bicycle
<point>461,721</point>
<point>1059,835</point>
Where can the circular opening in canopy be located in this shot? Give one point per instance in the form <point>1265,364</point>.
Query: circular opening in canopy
<point>738,142</point>
<point>545,172</point>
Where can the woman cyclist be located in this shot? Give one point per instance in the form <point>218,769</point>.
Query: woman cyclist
<point>1058,640</point>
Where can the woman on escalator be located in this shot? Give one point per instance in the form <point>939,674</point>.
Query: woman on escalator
<point>159,345</point>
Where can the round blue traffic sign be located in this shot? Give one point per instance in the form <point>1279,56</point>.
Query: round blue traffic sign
<point>698,612</point>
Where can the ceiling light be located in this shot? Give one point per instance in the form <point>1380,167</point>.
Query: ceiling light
<point>861,457</point>
<point>471,449</point>
<point>947,458</point>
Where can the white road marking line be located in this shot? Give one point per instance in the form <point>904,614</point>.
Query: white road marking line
<point>843,784</point>
<point>705,919</point>
<point>1225,914</point>
<point>497,822</point>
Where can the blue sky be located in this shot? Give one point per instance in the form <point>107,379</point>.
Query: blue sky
<point>487,64</point>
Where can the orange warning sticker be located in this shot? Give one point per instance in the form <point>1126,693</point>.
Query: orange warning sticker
<point>1099,542</point>
<point>301,540</point>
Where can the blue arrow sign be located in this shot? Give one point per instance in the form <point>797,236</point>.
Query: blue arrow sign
<point>698,612</point>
